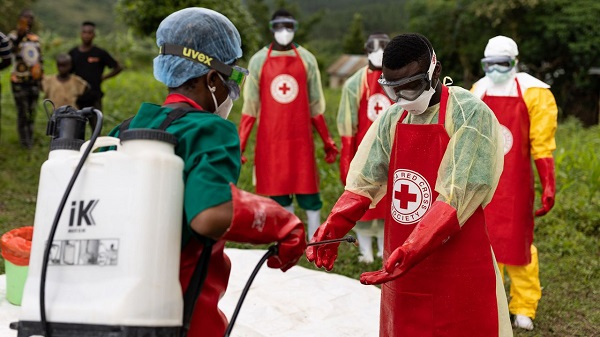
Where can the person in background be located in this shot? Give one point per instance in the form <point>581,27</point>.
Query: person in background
<point>5,51</point>
<point>89,62</point>
<point>362,101</point>
<point>26,74</point>
<point>64,88</point>
<point>195,111</point>
<point>436,156</point>
<point>284,92</point>
<point>527,112</point>
<point>5,60</point>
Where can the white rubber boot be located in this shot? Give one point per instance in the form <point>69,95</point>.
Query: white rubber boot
<point>314,221</point>
<point>523,322</point>
<point>289,208</point>
<point>365,247</point>
<point>380,246</point>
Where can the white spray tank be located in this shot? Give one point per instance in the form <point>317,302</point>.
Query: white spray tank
<point>113,264</point>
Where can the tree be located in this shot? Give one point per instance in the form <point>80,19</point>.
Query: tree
<point>262,15</point>
<point>355,38</point>
<point>558,42</point>
<point>144,16</point>
<point>10,10</point>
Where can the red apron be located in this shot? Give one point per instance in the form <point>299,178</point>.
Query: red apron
<point>373,102</point>
<point>285,151</point>
<point>207,320</point>
<point>509,215</point>
<point>452,292</point>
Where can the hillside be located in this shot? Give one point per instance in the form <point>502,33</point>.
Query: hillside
<point>63,17</point>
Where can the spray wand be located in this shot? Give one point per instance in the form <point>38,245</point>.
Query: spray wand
<point>271,252</point>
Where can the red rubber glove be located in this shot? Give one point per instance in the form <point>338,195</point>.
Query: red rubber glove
<point>331,150</point>
<point>348,151</point>
<point>349,208</point>
<point>246,124</point>
<point>436,227</point>
<point>545,168</point>
<point>261,220</point>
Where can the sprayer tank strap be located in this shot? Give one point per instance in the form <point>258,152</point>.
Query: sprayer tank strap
<point>171,117</point>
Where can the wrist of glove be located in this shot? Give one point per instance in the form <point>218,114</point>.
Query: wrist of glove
<point>545,168</point>
<point>435,228</point>
<point>261,220</point>
<point>331,150</point>
<point>348,150</point>
<point>289,250</point>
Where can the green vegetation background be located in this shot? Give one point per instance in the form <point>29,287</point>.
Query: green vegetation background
<point>568,238</point>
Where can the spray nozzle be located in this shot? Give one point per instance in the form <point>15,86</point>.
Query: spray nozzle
<point>66,126</point>
<point>347,238</point>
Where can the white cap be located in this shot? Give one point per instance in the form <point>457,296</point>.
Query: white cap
<point>501,46</point>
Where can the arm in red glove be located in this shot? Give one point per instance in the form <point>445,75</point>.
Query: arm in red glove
<point>261,220</point>
<point>348,151</point>
<point>246,124</point>
<point>331,150</point>
<point>436,227</point>
<point>545,168</point>
<point>349,208</point>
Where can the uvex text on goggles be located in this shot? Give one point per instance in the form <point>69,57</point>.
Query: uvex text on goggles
<point>501,64</point>
<point>283,22</point>
<point>234,74</point>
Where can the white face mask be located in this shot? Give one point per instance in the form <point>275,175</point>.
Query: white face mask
<point>376,58</point>
<point>284,36</point>
<point>419,105</point>
<point>498,78</point>
<point>224,108</point>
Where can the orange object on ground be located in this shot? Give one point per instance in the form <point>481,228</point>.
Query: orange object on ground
<point>16,245</point>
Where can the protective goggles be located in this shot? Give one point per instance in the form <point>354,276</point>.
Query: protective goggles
<point>502,64</point>
<point>408,88</point>
<point>282,22</point>
<point>374,44</point>
<point>234,74</point>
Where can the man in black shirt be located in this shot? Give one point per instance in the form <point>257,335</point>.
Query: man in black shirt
<point>89,62</point>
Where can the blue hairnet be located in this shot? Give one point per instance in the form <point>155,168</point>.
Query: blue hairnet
<point>200,29</point>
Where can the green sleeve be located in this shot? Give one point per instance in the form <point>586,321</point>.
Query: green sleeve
<point>212,160</point>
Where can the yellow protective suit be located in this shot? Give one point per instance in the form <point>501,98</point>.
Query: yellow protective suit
<point>525,288</point>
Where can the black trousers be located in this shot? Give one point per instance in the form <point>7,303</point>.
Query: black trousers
<point>26,95</point>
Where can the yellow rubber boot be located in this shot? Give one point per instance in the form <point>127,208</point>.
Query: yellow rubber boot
<point>525,289</point>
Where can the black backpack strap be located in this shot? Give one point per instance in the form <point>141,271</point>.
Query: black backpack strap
<point>125,125</point>
<point>196,282</point>
<point>174,115</point>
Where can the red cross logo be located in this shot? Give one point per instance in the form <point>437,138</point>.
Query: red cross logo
<point>284,88</point>
<point>404,196</point>
<point>378,108</point>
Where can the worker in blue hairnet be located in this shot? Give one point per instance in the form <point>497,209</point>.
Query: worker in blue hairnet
<point>198,52</point>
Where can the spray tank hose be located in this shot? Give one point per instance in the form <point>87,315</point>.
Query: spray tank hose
<point>271,252</point>
<point>95,134</point>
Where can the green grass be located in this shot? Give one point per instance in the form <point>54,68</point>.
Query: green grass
<point>567,238</point>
